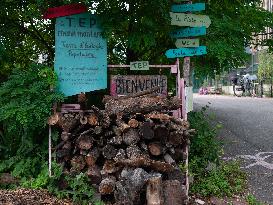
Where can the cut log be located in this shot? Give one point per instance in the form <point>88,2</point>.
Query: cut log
<point>154,193</point>
<point>174,193</point>
<point>141,105</point>
<point>121,155</point>
<point>65,136</point>
<point>92,119</point>
<point>117,140</point>
<point>184,123</point>
<point>122,125</point>
<point>109,152</point>
<point>146,131</point>
<point>85,142</point>
<point>146,162</point>
<point>98,130</point>
<point>54,119</point>
<point>117,131</point>
<point>131,137</point>
<point>110,167</point>
<point>176,138</point>
<point>107,185</point>
<point>83,120</point>
<point>94,174</point>
<point>92,157</point>
<point>159,116</point>
<point>77,163</point>
<point>133,152</point>
<point>161,133</point>
<point>133,123</point>
<point>155,149</point>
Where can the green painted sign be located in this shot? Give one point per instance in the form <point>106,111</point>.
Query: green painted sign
<point>188,7</point>
<point>139,65</point>
<point>180,1</point>
<point>186,43</point>
<point>191,20</point>
<point>186,52</point>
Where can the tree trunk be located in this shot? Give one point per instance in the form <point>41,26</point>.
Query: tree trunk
<point>154,195</point>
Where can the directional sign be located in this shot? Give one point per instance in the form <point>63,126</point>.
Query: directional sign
<point>186,43</point>
<point>188,7</point>
<point>183,52</point>
<point>191,20</point>
<point>65,10</point>
<point>179,1</point>
<point>188,32</point>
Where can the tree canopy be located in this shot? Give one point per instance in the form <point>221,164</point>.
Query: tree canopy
<point>135,30</point>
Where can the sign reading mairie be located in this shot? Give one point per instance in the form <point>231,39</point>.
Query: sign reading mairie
<point>131,84</point>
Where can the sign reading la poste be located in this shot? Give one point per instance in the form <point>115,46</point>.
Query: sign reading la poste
<point>81,54</point>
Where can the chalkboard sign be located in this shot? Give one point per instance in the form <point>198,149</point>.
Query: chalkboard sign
<point>184,43</point>
<point>139,65</point>
<point>131,84</point>
<point>81,55</point>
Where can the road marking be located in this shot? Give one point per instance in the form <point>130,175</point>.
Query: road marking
<point>260,160</point>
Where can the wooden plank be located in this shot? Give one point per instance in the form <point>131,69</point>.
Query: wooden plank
<point>191,20</point>
<point>188,7</point>
<point>183,52</point>
<point>188,32</point>
<point>131,84</point>
<point>187,43</point>
<point>139,65</point>
<point>65,10</point>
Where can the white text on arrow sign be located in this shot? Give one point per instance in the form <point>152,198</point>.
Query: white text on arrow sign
<point>192,20</point>
<point>184,43</point>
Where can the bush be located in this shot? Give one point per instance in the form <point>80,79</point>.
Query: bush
<point>212,176</point>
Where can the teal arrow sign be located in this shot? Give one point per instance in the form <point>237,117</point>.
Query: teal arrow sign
<point>188,7</point>
<point>188,32</point>
<point>183,52</point>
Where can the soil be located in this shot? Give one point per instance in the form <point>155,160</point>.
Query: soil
<point>29,197</point>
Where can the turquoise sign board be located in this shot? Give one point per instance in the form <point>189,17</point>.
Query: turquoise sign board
<point>188,32</point>
<point>188,7</point>
<point>186,52</point>
<point>81,54</point>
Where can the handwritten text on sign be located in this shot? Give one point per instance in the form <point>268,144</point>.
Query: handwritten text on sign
<point>188,7</point>
<point>80,60</point>
<point>183,52</point>
<point>139,65</point>
<point>188,32</point>
<point>192,20</point>
<point>183,43</point>
<point>130,84</point>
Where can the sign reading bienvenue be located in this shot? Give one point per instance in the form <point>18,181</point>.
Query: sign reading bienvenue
<point>81,54</point>
<point>188,7</point>
<point>186,52</point>
<point>188,32</point>
<point>131,84</point>
<point>191,20</point>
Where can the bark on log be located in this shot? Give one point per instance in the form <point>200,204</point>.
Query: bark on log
<point>121,155</point>
<point>122,125</point>
<point>94,174</point>
<point>110,167</point>
<point>107,185</point>
<point>155,149</point>
<point>117,140</point>
<point>154,193</point>
<point>141,105</point>
<point>77,163</point>
<point>176,138</point>
<point>146,131</point>
<point>159,116</point>
<point>109,152</point>
<point>169,159</point>
<point>65,136</point>
<point>174,193</point>
<point>161,133</point>
<point>131,137</point>
<point>133,151</point>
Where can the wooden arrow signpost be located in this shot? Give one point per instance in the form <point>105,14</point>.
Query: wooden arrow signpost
<point>188,7</point>
<point>183,52</point>
<point>192,20</point>
<point>180,43</point>
<point>188,32</point>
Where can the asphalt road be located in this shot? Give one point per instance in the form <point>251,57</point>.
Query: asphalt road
<point>247,134</point>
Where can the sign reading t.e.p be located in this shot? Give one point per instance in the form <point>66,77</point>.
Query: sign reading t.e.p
<point>81,55</point>
<point>139,65</point>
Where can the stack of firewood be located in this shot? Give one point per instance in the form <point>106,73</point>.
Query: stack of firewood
<point>133,151</point>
